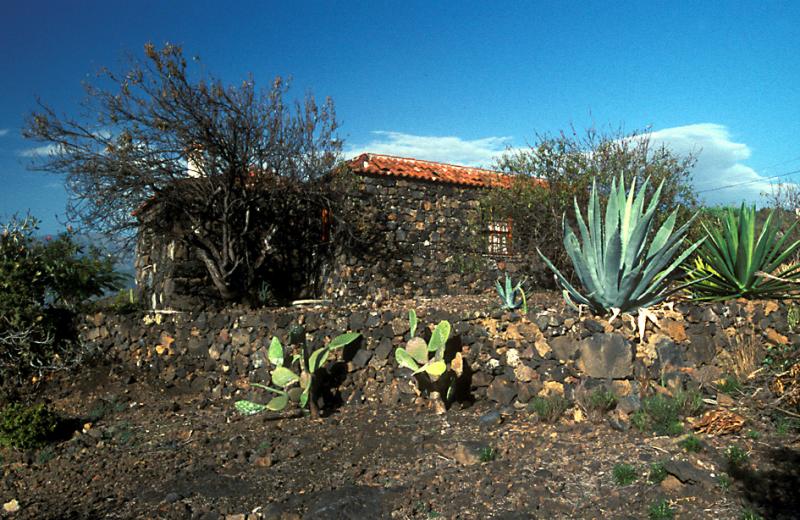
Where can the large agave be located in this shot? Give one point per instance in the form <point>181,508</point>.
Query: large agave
<point>737,265</point>
<point>613,261</point>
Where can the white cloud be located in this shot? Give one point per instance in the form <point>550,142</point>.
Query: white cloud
<point>39,151</point>
<point>450,149</point>
<point>720,163</point>
<point>3,131</point>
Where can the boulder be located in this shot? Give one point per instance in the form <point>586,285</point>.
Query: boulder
<point>606,356</point>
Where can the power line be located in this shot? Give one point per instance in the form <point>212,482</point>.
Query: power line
<point>749,182</point>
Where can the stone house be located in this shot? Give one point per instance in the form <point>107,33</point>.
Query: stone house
<point>426,237</point>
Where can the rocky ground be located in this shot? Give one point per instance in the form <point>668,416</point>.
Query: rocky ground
<point>135,449</point>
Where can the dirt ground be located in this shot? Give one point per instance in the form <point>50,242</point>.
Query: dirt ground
<point>137,450</point>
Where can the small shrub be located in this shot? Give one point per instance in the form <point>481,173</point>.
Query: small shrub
<point>657,472</point>
<point>660,511</point>
<point>624,474</point>
<point>25,427</point>
<point>598,401</point>
<point>793,316</point>
<point>548,409</point>
<point>662,415</point>
<point>45,455</point>
<point>691,443</point>
<point>736,456</point>
<point>488,454</point>
<point>753,434</point>
<point>724,482</point>
<point>729,385</point>
<point>749,514</point>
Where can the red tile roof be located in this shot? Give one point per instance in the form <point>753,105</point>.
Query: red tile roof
<point>388,165</point>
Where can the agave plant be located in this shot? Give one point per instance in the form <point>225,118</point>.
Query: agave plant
<point>420,357</point>
<point>508,295</point>
<point>283,377</point>
<point>737,264</point>
<point>613,261</point>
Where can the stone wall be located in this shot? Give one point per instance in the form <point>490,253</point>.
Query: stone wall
<point>511,357</point>
<point>415,238</point>
<point>423,240</point>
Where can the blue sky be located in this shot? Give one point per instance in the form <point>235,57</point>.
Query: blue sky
<point>449,81</point>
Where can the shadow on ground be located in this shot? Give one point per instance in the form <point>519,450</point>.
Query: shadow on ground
<point>773,492</point>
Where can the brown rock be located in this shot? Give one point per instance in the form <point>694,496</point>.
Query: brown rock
<point>466,453</point>
<point>552,388</point>
<point>621,388</point>
<point>674,329</point>
<point>775,337</point>
<point>725,400</point>
<point>524,373</point>
<point>671,485</point>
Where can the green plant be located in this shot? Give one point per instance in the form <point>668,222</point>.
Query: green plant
<point>729,385</point>
<point>738,262</point>
<point>45,455</point>
<point>661,414</point>
<point>548,409</point>
<point>749,514</point>
<point>488,454</point>
<point>308,364</point>
<point>614,263</point>
<point>657,472</point>
<point>44,283</point>
<point>428,357</point>
<point>600,401</point>
<point>793,316</point>
<point>25,427</point>
<point>691,443</point>
<point>125,301</point>
<point>624,474</point>
<point>753,434</point>
<point>508,295</point>
<point>724,482</point>
<point>736,456</point>
<point>660,510</point>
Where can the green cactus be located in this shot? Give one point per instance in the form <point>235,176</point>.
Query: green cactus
<point>428,357</point>
<point>284,377</point>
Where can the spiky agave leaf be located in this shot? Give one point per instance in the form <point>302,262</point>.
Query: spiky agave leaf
<point>739,265</point>
<point>612,259</point>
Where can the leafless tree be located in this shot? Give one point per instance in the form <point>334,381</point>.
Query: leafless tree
<point>218,158</point>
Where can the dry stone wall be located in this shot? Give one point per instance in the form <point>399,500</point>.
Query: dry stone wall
<point>512,357</point>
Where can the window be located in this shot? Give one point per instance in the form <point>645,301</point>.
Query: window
<point>500,237</point>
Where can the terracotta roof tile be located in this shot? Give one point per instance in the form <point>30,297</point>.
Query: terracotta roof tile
<point>388,165</point>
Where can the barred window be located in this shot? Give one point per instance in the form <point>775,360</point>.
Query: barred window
<point>500,237</point>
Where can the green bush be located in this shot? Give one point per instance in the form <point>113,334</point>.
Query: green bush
<point>548,409</point>
<point>43,284</point>
<point>660,511</point>
<point>662,414</point>
<point>26,427</point>
<point>624,474</point>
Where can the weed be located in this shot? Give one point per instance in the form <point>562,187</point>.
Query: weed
<point>785,425</point>
<point>724,482</point>
<point>749,514</point>
<point>262,448</point>
<point>659,414</point>
<point>657,472</point>
<point>548,409</point>
<point>600,401</point>
<point>660,511</point>
<point>793,316</point>
<point>729,385</point>
<point>488,454</point>
<point>746,350</point>
<point>736,456</point>
<point>691,443</point>
<point>25,427</point>
<point>753,434</point>
<point>44,456</point>
<point>624,474</point>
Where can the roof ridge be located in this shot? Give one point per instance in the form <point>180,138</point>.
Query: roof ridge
<point>431,162</point>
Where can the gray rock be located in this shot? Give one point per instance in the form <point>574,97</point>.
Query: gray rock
<point>348,503</point>
<point>362,357</point>
<point>629,404</point>
<point>501,391</point>
<point>490,419</point>
<point>606,356</point>
<point>384,349</point>
<point>687,472</point>
<point>564,348</point>
<point>669,354</point>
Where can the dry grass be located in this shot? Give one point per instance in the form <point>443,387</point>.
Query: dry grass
<point>747,351</point>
